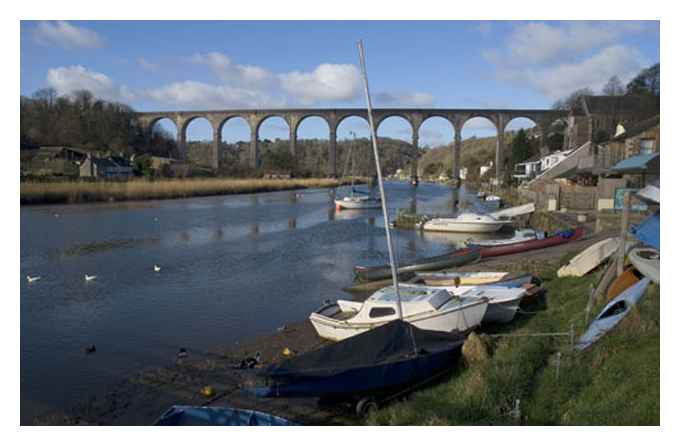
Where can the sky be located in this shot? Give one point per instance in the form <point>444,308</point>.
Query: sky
<point>182,65</point>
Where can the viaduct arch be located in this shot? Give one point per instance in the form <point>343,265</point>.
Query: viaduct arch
<point>500,118</point>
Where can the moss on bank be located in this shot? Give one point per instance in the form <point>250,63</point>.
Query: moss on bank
<point>615,382</point>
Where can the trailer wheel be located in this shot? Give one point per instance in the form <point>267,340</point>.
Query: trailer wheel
<point>365,406</point>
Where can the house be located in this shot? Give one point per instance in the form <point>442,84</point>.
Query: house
<point>528,168</point>
<point>54,161</point>
<point>113,167</point>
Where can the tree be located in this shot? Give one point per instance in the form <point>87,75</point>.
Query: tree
<point>648,81</point>
<point>521,147</point>
<point>572,100</point>
<point>613,87</point>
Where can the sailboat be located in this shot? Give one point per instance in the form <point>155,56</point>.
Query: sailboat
<point>353,201</point>
<point>378,361</point>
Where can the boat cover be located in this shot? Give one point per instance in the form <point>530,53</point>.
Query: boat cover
<point>649,231</point>
<point>389,343</point>
<point>218,416</point>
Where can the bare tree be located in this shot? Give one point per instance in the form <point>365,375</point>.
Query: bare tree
<point>613,87</point>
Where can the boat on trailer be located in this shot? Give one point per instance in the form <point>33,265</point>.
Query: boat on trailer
<point>427,308</point>
<point>451,259</point>
<point>465,222</point>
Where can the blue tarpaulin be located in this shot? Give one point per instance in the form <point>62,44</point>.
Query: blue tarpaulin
<point>649,231</point>
<point>639,163</point>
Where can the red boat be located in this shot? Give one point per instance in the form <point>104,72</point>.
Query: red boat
<point>560,238</point>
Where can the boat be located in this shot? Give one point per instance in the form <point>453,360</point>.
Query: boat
<point>590,258</point>
<point>460,278</point>
<point>425,307</point>
<point>451,259</point>
<point>651,193</point>
<point>521,235</point>
<point>503,301</point>
<point>218,416</point>
<point>465,222</point>
<point>612,314</point>
<point>625,280</point>
<point>378,361</point>
<point>647,261</point>
<point>357,202</point>
<point>514,211</point>
<point>559,238</point>
<point>451,279</point>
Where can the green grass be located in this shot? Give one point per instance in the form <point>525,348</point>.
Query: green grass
<point>615,382</point>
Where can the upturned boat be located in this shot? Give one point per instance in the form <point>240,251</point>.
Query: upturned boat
<point>379,361</point>
<point>559,238</point>
<point>612,314</point>
<point>521,235</point>
<point>466,222</point>
<point>451,259</point>
<point>589,258</point>
<point>425,307</point>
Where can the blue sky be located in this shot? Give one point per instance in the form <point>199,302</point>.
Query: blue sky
<point>165,65</point>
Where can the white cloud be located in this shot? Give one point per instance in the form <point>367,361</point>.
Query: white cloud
<point>66,35</point>
<point>66,80</point>
<point>227,71</point>
<point>404,99</point>
<point>148,66</point>
<point>328,82</point>
<point>191,94</point>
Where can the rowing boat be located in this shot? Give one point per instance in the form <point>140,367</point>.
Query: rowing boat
<point>460,278</point>
<point>218,416</point>
<point>514,248</point>
<point>521,235</point>
<point>647,261</point>
<point>589,258</point>
<point>451,259</point>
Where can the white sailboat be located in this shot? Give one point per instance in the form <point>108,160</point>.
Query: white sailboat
<point>466,222</point>
<point>353,201</point>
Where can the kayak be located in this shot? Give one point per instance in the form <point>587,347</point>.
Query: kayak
<point>625,280</point>
<point>514,248</point>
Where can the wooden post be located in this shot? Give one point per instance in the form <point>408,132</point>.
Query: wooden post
<point>625,219</point>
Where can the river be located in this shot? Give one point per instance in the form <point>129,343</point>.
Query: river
<point>231,267</point>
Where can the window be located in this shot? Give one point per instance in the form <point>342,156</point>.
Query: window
<point>646,146</point>
<point>381,312</point>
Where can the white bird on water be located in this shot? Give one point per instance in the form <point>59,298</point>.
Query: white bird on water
<point>89,278</point>
<point>32,279</point>
<point>157,268</point>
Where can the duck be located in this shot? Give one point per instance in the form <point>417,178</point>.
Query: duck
<point>32,279</point>
<point>157,268</point>
<point>89,278</point>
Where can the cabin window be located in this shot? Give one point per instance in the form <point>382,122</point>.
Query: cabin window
<point>381,312</point>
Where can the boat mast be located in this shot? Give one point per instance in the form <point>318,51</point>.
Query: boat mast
<point>351,154</point>
<point>383,200</point>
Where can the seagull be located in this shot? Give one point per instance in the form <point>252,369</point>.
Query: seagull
<point>32,279</point>
<point>89,278</point>
<point>157,268</point>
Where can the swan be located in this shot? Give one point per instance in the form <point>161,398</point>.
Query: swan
<point>157,268</point>
<point>32,279</point>
<point>89,278</point>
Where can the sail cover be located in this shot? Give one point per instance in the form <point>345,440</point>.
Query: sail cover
<point>383,345</point>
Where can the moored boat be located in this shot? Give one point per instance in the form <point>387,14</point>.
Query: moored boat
<point>612,314</point>
<point>509,280</point>
<point>218,416</point>
<point>589,258</point>
<point>515,248</point>
<point>647,261</point>
<point>521,235</point>
<point>451,259</point>
<point>466,222</point>
<point>460,278</point>
<point>392,356</point>
<point>425,307</point>
<point>358,202</point>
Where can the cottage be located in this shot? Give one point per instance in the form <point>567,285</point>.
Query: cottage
<point>108,168</point>
<point>54,161</point>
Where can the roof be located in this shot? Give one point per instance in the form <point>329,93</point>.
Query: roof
<point>638,127</point>
<point>625,103</point>
<point>646,163</point>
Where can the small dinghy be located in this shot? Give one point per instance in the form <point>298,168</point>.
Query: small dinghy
<point>514,211</point>
<point>625,280</point>
<point>379,361</point>
<point>358,202</point>
<point>451,259</point>
<point>466,222</point>
<point>218,416</point>
<point>589,258</point>
<point>515,248</point>
<point>521,235</point>
<point>425,307</point>
<point>451,279</point>
<point>612,314</point>
<point>647,261</point>
<point>460,278</point>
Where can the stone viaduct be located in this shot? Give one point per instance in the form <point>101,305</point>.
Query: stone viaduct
<point>333,117</point>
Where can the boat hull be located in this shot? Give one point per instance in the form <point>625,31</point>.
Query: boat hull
<point>515,248</point>
<point>359,204</point>
<point>590,258</point>
<point>456,258</point>
<point>501,312</point>
<point>467,227</point>
<point>647,261</point>
<point>218,416</point>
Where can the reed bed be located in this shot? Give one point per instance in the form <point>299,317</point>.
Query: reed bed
<point>86,192</point>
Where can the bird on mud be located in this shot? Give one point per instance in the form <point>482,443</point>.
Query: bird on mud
<point>89,278</point>
<point>157,268</point>
<point>32,279</point>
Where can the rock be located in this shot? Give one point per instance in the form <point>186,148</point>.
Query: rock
<point>475,350</point>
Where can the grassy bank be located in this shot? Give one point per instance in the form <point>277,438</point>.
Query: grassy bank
<point>85,192</point>
<point>615,382</point>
